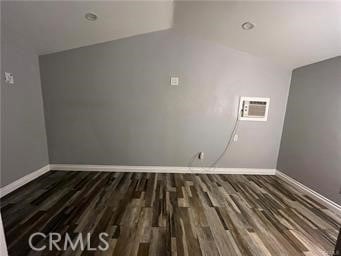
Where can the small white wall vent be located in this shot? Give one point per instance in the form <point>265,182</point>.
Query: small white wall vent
<point>253,109</point>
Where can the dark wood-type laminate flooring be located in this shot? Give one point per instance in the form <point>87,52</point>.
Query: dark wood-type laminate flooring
<point>169,214</point>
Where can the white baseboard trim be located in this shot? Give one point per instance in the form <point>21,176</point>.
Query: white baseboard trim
<point>318,197</point>
<point>160,169</point>
<point>168,169</point>
<point>22,181</point>
<point>122,168</point>
<point>3,245</point>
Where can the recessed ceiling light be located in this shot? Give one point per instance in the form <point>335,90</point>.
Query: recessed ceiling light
<point>91,16</point>
<point>248,25</point>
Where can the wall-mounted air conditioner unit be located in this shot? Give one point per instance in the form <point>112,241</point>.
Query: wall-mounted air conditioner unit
<point>253,109</point>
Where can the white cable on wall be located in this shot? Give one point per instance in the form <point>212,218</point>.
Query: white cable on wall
<point>212,166</point>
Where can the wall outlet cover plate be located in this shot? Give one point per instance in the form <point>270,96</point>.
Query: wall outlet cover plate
<point>174,80</point>
<point>9,78</point>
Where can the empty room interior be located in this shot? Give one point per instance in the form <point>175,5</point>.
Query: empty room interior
<point>180,128</point>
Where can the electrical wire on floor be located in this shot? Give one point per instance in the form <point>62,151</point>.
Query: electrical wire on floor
<point>212,166</point>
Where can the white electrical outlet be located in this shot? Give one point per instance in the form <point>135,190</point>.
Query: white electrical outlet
<point>174,80</point>
<point>9,78</point>
<point>235,138</point>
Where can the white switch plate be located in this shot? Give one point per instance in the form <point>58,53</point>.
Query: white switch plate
<point>9,78</point>
<point>174,80</point>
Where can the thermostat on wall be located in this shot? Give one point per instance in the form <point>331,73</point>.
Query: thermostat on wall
<point>253,109</point>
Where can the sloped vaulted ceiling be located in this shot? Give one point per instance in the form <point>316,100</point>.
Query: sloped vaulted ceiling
<point>290,33</point>
<point>52,26</point>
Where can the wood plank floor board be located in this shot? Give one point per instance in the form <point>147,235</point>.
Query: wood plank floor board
<point>154,214</point>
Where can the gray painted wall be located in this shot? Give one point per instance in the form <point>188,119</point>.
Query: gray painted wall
<point>23,136</point>
<point>112,103</point>
<point>311,143</point>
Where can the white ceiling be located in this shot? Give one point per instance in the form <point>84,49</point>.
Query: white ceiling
<point>52,26</point>
<point>290,33</point>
